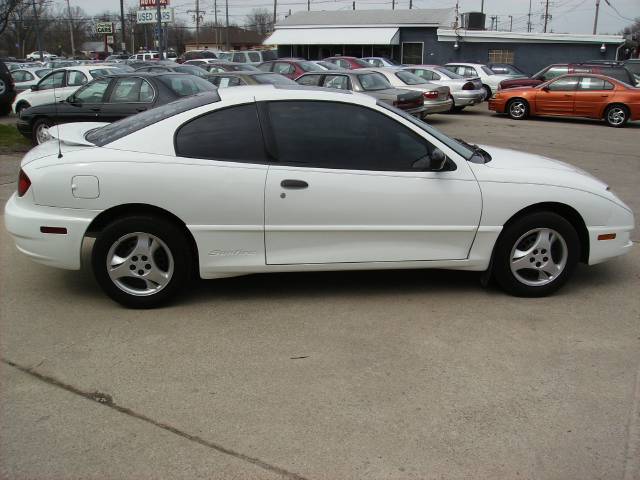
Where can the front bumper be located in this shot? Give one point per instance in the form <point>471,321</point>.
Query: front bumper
<point>23,127</point>
<point>438,106</point>
<point>496,105</point>
<point>465,98</point>
<point>23,220</point>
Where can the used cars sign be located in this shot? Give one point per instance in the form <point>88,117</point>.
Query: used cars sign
<point>104,28</point>
<point>151,16</point>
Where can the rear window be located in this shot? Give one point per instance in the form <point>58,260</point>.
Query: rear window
<point>448,73</point>
<point>409,78</point>
<point>269,55</point>
<point>621,74</point>
<point>273,79</point>
<point>115,131</point>
<point>373,81</point>
<point>185,85</point>
<point>310,67</point>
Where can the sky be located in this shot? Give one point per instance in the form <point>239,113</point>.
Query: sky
<point>570,16</point>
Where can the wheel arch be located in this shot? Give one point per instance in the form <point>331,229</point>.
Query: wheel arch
<point>603,114</point>
<point>20,103</point>
<point>513,99</point>
<point>567,212</point>
<point>125,210</point>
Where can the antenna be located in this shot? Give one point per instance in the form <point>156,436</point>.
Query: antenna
<point>55,108</point>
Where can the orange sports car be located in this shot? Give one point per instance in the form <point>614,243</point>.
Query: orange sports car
<point>577,95</point>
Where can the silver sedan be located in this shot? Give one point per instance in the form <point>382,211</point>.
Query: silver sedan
<point>465,91</point>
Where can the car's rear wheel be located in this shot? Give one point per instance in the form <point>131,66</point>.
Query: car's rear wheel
<point>142,261</point>
<point>536,254</point>
<point>487,92</point>
<point>518,109</point>
<point>40,131</point>
<point>616,115</point>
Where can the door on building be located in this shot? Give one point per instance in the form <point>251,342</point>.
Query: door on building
<point>412,53</point>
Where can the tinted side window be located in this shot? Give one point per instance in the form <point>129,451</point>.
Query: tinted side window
<point>343,136</point>
<point>254,56</point>
<point>75,78</point>
<point>283,68</point>
<point>265,67</point>
<point>564,84</point>
<point>238,57</point>
<point>126,90</point>
<point>592,83</point>
<point>55,79</point>
<point>231,134</point>
<point>93,92</point>
<point>336,81</point>
<point>309,80</point>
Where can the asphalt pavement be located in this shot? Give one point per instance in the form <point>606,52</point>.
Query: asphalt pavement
<point>345,375</point>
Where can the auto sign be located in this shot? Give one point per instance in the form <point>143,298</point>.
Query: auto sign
<point>104,28</point>
<point>152,3</point>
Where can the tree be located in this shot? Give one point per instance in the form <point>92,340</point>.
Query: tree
<point>632,35</point>
<point>259,20</point>
<point>7,8</point>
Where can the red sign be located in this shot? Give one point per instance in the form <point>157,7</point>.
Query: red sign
<point>152,3</point>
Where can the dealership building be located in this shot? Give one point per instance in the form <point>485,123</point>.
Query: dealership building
<point>430,36</point>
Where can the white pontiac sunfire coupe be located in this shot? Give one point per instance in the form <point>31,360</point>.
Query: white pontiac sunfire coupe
<point>273,179</point>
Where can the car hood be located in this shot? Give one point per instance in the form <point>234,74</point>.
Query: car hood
<point>517,167</point>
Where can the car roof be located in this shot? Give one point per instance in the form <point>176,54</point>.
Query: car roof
<point>292,92</point>
<point>467,64</point>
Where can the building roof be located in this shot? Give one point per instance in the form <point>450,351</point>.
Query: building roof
<point>484,36</point>
<point>430,17</point>
<point>237,35</point>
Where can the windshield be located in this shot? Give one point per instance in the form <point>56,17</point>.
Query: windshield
<point>487,70</point>
<point>101,72</point>
<point>409,78</point>
<point>243,67</point>
<point>225,55</point>
<point>185,85</point>
<point>197,71</point>
<point>373,81</point>
<point>447,73</point>
<point>310,67</point>
<point>273,79</point>
<point>456,146</point>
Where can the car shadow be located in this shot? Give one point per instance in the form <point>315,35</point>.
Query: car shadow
<point>569,120</point>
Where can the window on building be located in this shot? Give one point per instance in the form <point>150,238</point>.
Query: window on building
<point>412,53</point>
<point>501,56</point>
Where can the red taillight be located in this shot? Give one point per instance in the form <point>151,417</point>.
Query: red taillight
<point>23,183</point>
<point>432,94</point>
<point>468,86</point>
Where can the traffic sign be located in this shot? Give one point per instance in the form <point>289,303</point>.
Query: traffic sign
<point>105,28</point>
<point>151,16</point>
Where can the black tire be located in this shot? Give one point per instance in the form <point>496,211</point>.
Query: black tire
<point>5,109</point>
<point>176,266</point>
<point>518,109</point>
<point>37,125</point>
<point>512,237</point>
<point>458,109</point>
<point>487,92</point>
<point>616,115</point>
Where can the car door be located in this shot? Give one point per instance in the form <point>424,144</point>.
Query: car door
<point>351,189</point>
<point>85,104</point>
<point>128,96</point>
<point>225,149</point>
<point>592,96</point>
<point>48,89</point>
<point>557,97</point>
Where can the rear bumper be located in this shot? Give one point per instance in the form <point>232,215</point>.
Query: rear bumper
<point>464,98</point>
<point>23,220</point>
<point>438,106</point>
<point>418,112</point>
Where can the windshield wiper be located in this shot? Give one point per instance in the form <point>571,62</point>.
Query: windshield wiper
<point>479,155</point>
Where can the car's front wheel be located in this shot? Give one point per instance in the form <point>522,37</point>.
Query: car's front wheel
<point>536,254</point>
<point>518,109</point>
<point>142,261</point>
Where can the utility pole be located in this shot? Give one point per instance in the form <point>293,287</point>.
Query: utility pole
<point>37,27</point>
<point>595,20</point>
<point>546,15</point>
<point>354,5</point>
<point>197,24</point>
<point>308,5</point>
<point>511,23</point>
<point>393,4</point>
<point>122,28</point>
<point>410,4</point>
<point>215,21</point>
<point>482,6</point>
<point>529,18</point>
<point>227,28</point>
<point>275,13</point>
<point>455,24</point>
<point>159,28</point>
<point>73,45</point>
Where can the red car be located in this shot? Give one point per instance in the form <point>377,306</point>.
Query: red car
<point>581,95</point>
<point>348,63</point>
<point>289,67</point>
<point>614,70</point>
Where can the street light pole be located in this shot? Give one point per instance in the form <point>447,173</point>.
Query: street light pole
<point>37,27</point>
<point>159,27</point>
<point>123,44</point>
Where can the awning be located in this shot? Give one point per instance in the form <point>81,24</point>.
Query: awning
<point>334,36</point>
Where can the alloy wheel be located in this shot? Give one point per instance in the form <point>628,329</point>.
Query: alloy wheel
<point>538,257</point>
<point>517,109</point>
<point>42,133</point>
<point>140,264</point>
<point>616,116</point>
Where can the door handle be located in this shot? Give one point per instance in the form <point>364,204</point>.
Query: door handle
<point>95,109</point>
<point>568,95</point>
<point>294,184</point>
<point>141,109</point>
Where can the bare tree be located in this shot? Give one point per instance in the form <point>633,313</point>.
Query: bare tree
<point>259,20</point>
<point>7,8</point>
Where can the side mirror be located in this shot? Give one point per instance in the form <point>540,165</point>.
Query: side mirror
<point>34,88</point>
<point>438,160</point>
<point>545,88</point>
<point>434,162</point>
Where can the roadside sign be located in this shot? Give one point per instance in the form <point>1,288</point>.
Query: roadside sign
<point>105,28</point>
<point>151,16</point>
<point>152,3</point>
<point>110,39</point>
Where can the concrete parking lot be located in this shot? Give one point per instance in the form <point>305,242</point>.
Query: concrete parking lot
<point>401,374</point>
